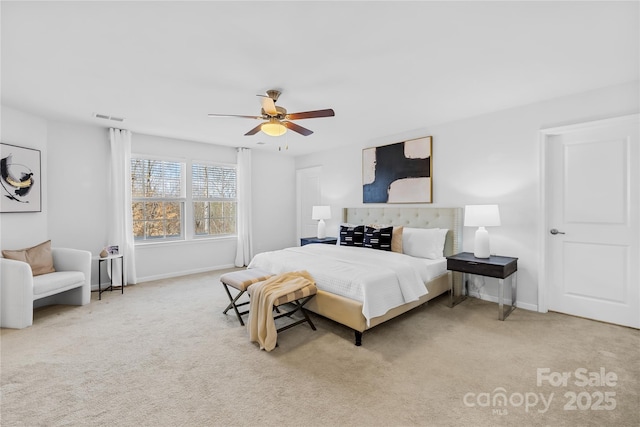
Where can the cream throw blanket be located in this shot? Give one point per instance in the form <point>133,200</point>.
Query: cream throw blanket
<point>261,325</point>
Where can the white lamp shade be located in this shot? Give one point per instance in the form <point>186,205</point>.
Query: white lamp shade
<point>321,212</point>
<point>273,128</point>
<point>481,216</point>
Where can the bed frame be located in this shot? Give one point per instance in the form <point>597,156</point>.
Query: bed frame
<point>349,312</point>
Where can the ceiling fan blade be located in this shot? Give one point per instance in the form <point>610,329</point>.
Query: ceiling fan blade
<point>254,130</point>
<point>268,105</point>
<point>234,115</point>
<point>311,114</point>
<point>296,128</point>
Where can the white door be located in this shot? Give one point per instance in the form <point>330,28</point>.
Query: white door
<point>308,194</point>
<point>593,233</point>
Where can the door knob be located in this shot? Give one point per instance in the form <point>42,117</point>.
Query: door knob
<point>554,231</point>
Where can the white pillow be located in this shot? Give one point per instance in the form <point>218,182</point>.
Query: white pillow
<point>424,242</point>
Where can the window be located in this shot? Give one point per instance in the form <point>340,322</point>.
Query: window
<point>158,199</point>
<point>162,207</point>
<point>213,193</point>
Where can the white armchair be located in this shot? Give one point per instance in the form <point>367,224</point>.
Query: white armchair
<point>20,291</point>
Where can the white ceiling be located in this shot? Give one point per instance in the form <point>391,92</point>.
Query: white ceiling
<point>384,67</point>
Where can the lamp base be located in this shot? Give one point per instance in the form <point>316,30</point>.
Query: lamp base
<point>481,243</point>
<point>322,229</point>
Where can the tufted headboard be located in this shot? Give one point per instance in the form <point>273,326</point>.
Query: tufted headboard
<point>450,218</point>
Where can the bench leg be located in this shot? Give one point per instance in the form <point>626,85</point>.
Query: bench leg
<point>298,307</point>
<point>233,304</point>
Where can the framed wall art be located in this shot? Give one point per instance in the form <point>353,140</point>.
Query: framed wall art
<point>398,173</point>
<point>21,179</point>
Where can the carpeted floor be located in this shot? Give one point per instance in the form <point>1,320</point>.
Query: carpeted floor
<point>163,354</point>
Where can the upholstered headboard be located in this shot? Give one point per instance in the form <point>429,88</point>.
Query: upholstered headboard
<point>450,218</point>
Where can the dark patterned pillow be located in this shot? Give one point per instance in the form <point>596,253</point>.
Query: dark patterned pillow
<point>378,238</point>
<point>351,236</point>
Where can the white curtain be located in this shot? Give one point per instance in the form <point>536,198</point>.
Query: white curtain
<point>120,215</point>
<point>244,251</point>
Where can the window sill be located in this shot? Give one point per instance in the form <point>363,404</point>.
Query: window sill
<point>195,240</point>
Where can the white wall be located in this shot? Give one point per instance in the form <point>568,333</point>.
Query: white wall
<point>78,187</point>
<point>75,170</point>
<point>158,260</point>
<point>273,184</point>
<point>493,158</point>
<point>21,230</point>
<point>273,199</point>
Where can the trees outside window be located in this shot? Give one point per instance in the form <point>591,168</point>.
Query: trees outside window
<point>161,203</point>
<point>158,199</point>
<point>213,189</point>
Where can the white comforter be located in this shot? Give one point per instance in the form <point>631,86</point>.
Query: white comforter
<point>381,280</point>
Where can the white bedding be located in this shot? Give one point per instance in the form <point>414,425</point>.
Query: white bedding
<point>381,280</point>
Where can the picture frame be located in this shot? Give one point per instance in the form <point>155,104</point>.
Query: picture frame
<point>399,172</point>
<point>20,179</point>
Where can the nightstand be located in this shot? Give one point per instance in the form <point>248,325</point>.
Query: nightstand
<point>500,267</point>
<point>327,240</point>
<point>109,258</point>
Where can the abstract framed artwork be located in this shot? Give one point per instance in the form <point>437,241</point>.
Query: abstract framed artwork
<point>398,173</point>
<point>20,179</point>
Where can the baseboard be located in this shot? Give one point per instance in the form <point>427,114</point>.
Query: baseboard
<point>491,298</point>
<point>183,273</point>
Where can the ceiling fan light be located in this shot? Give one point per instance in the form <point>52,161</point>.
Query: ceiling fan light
<point>273,128</point>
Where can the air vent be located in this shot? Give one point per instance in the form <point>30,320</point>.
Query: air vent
<point>108,117</point>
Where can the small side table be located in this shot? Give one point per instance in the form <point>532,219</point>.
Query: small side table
<point>109,258</point>
<point>500,267</point>
<point>326,240</point>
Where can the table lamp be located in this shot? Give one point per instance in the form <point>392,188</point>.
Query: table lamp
<point>321,213</point>
<point>481,216</point>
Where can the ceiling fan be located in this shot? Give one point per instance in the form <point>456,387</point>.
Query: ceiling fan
<point>276,119</point>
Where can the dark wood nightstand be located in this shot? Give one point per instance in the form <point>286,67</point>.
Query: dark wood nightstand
<point>327,240</point>
<point>500,267</point>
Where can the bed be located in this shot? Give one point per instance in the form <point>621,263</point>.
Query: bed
<point>350,279</point>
